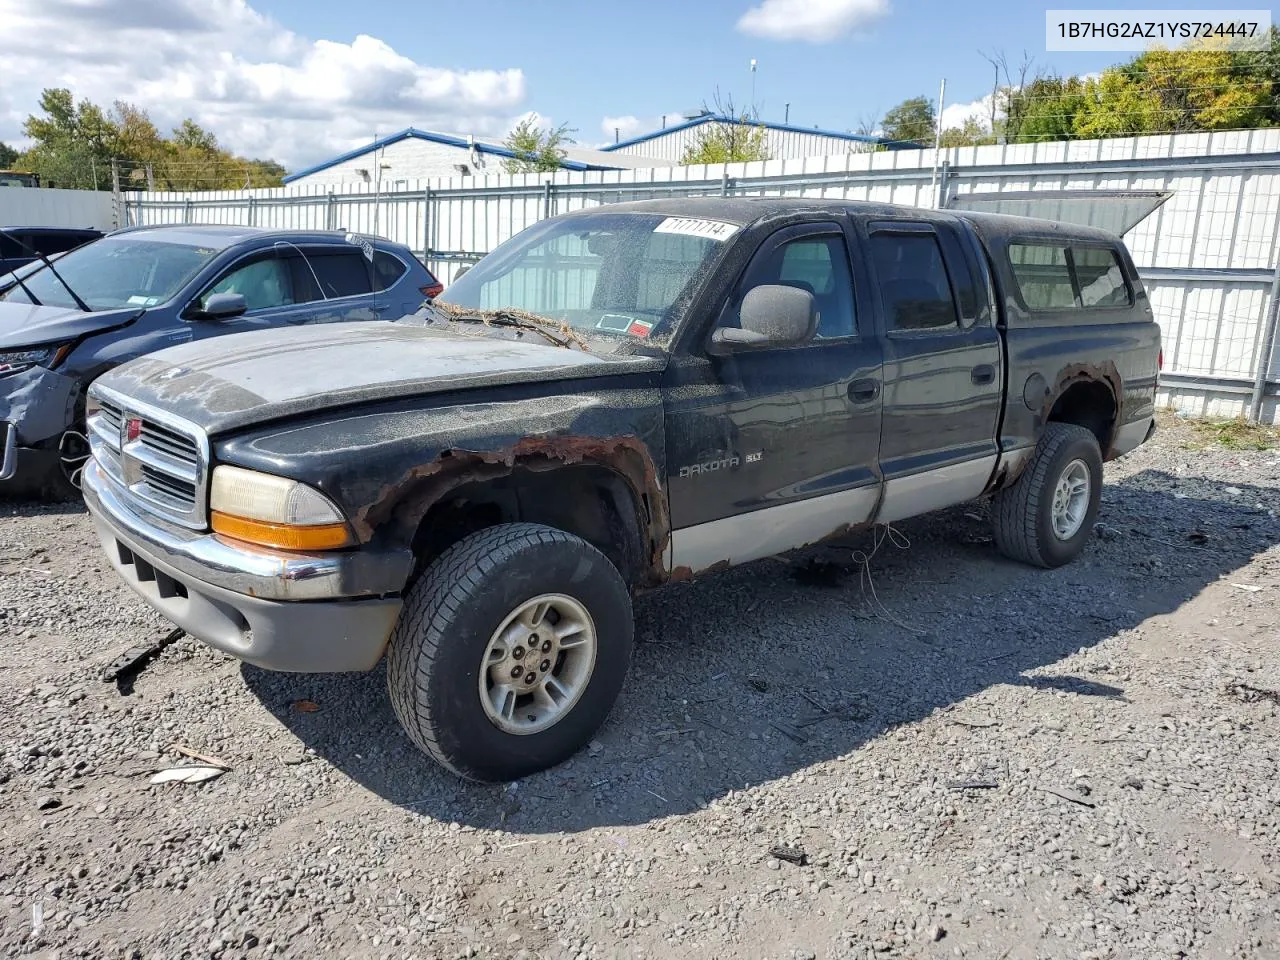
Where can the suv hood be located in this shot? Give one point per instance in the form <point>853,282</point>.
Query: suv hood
<point>225,383</point>
<point>26,325</point>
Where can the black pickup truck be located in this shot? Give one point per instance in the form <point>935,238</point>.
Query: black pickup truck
<point>611,400</point>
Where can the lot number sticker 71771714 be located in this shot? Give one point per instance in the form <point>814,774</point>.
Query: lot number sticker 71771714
<point>695,227</point>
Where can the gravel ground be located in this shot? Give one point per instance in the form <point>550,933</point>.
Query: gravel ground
<point>977,759</point>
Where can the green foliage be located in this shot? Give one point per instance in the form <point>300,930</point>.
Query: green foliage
<point>537,150</point>
<point>1236,434</point>
<point>738,142</point>
<point>1159,91</point>
<point>74,144</point>
<point>8,156</point>
<point>911,121</point>
<point>972,133</point>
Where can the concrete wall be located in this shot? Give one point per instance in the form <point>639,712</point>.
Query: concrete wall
<point>40,207</point>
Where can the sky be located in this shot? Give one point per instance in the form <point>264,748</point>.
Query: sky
<point>300,81</point>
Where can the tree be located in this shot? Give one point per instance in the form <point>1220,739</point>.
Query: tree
<point>536,150</point>
<point>971,133</point>
<point>75,144</point>
<point>911,121</point>
<point>8,156</point>
<point>739,138</point>
<point>1206,87</point>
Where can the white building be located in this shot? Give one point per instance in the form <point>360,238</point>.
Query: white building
<point>415,154</point>
<point>783,141</point>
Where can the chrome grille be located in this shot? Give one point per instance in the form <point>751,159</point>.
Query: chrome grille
<point>163,466</point>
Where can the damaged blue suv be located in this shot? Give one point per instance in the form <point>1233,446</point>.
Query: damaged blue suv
<point>144,288</point>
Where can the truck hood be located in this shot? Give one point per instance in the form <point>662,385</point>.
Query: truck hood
<point>26,325</point>
<point>225,383</point>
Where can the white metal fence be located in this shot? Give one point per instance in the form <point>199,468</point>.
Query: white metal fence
<point>1209,256</point>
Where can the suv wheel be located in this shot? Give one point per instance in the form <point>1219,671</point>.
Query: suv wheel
<point>1047,516</point>
<point>510,652</point>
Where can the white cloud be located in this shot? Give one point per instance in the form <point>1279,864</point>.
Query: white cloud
<point>628,125</point>
<point>817,21</point>
<point>954,115</point>
<point>262,89</point>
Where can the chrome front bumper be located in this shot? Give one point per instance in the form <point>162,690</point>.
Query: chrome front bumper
<point>310,613</point>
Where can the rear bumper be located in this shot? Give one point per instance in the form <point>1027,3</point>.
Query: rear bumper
<point>315,613</point>
<point>1133,435</point>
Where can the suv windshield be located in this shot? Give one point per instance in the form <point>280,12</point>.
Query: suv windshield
<point>116,272</point>
<point>617,274</point>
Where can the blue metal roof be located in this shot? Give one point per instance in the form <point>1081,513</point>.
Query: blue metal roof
<point>412,133</point>
<point>783,127</point>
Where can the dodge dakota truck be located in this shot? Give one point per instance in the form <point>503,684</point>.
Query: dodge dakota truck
<point>612,400</point>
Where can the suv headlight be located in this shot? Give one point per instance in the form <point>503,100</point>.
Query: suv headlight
<point>275,512</point>
<point>12,361</point>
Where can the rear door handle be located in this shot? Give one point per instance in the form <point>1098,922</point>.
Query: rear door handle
<point>864,391</point>
<point>982,374</point>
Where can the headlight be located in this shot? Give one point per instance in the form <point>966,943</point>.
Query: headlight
<point>275,512</point>
<point>14,360</point>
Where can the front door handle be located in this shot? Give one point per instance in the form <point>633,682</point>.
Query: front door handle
<point>864,391</point>
<point>983,374</point>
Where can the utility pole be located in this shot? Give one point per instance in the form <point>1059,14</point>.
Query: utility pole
<point>786,113</point>
<point>151,178</point>
<point>937,145</point>
<point>120,212</point>
<point>753,86</point>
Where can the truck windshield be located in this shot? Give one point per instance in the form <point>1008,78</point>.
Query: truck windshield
<point>616,274</point>
<point>116,272</point>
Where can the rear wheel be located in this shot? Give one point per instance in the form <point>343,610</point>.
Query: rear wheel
<point>511,651</point>
<point>1047,516</point>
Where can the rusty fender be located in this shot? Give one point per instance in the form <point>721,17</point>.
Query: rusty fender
<point>408,500</point>
<point>1104,372</point>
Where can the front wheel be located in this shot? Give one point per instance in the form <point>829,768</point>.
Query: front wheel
<point>510,652</point>
<point>1047,516</point>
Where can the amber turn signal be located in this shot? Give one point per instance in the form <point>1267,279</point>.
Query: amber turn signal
<point>320,536</point>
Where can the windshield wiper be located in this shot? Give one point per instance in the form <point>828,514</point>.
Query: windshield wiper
<point>17,278</point>
<point>554,331</point>
<point>52,269</point>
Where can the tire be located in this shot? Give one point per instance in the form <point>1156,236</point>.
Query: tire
<point>436,662</point>
<point>1023,514</point>
<point>63,482</point>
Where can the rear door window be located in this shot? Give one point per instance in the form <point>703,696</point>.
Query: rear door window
<point>914,286</point>
<point>324,273</point>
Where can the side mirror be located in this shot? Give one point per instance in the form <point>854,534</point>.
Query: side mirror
<point>222,306</point>
<point>772,315</point>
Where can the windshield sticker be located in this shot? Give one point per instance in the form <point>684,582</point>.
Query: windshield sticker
<point>694,227</point>
<point>640,328</point>
<point>365,246</point>
<point>138,301</point>
<point>615,322</point>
